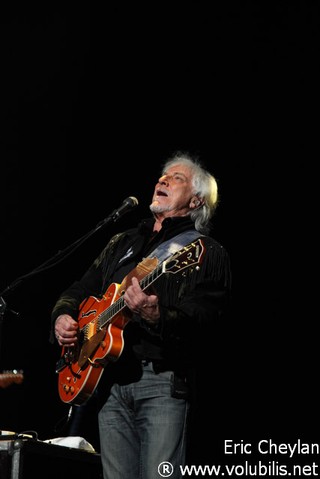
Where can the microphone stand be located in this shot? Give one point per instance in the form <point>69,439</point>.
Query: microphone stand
<point>53,261</point>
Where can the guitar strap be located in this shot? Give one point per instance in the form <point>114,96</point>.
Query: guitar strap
<point>171,246</point>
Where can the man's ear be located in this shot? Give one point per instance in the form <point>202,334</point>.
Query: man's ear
<point>195,202</point>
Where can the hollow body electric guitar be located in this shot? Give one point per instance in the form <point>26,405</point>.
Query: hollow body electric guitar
<point>101,325</point>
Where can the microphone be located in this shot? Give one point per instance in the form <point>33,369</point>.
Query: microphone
<point>126,206</point>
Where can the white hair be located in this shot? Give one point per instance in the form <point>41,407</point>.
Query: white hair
<point>204,186</point>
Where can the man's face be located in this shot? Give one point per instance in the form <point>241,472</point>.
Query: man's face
<point>173,192</point>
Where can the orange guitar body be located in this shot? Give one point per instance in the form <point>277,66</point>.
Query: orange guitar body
<point>85,362</point>
<point>83,365</point>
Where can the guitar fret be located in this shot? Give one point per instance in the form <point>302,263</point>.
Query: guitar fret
<point>114,309</point>
<point>118,305</point>
<point>153,276</point>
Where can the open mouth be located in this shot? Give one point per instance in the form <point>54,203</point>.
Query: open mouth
<point>161,193</point>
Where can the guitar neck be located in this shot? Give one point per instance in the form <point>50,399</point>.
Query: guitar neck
<point>119,304</point>
<point>184,258</point>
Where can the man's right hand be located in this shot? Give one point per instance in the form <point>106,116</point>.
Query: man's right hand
<point>66,330</point>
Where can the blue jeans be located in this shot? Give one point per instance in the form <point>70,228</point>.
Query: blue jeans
<point>141,426</point>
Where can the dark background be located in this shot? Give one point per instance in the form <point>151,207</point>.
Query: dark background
<point>93,102</point>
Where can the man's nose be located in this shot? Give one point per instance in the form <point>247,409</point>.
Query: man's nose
<point>164,180</point>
